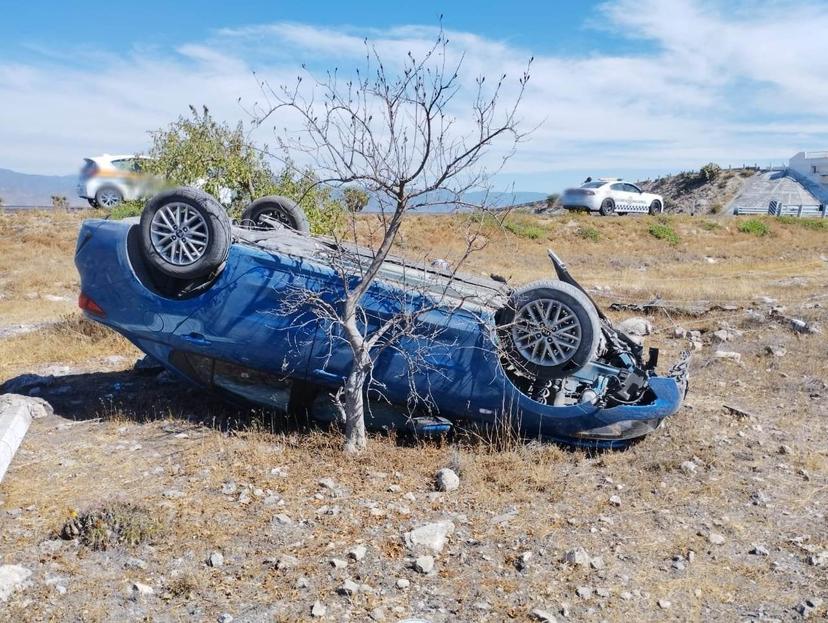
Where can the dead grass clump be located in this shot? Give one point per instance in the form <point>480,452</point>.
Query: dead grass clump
<point>183,586</point>
<point>116,523</point>
<point>76,326</point>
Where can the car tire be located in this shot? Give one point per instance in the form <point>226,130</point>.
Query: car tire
<point>607,207</point>
<point>262,213</point>
<point>185,233</point>
<point>108,197</point>
<point>571,337</point>
<point>655,207</point>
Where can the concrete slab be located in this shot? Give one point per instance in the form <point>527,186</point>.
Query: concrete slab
<point>768,186</point>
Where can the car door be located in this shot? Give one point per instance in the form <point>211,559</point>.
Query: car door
<point>620,196</point>
<point>636,197</point>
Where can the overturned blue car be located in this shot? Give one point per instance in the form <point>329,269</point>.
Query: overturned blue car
<point>235,309</point>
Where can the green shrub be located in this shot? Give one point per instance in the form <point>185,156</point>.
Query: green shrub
<point>710,225</point>
<point>124,209</point>
<point>663,231</point>
<point>710,171</point>
<point>814,224</point>
<point>588,232</point>
<point>754,226</point>
<point>524,228</point>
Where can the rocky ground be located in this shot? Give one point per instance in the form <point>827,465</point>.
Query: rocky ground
<point>142,499</point>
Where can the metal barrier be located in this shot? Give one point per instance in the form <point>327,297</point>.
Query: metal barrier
<point>751,210</point>
<point>777,208</point>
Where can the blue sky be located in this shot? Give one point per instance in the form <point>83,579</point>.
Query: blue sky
<point>623,87</point>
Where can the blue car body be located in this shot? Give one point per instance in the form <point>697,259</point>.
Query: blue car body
<point>241,322</point>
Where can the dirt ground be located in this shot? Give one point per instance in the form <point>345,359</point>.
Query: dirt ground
<point>719,515</point>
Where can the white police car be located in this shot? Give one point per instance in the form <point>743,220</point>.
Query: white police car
<point>608,195</point>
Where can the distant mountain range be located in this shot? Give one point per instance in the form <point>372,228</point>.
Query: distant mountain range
<point>441,203</point>
<point>22,189</point>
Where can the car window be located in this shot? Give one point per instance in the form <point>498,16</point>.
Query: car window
<point>593,185</point>
<point>631,188</point>
<point>618,187</point>
<point>127,164</point>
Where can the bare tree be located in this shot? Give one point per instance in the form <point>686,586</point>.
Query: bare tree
<point>397,136</point>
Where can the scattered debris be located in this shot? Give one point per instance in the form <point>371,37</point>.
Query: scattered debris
<point>635,326</point>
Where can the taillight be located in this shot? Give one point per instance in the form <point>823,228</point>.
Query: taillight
<point>88,305</point>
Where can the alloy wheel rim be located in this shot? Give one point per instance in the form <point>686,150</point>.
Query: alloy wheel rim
<point>546,332</point>
<point>179,234</point>
<point>109,198</point>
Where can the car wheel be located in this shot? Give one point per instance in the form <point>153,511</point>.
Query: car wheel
<point>655,207</point>
<point>185,233</point>
<point>108,197</point>
<point>549,329</point>
<point>607,207</point>
<point>272,212</point>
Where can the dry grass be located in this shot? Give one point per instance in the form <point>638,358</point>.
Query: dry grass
<point>546,499</point>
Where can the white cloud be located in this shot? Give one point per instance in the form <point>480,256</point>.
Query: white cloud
<point>713,81</point>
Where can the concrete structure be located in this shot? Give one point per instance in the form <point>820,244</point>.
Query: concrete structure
<point>16,414</point>
<point>767,186</point>
<point>811,164</point>
<point>810,168</point>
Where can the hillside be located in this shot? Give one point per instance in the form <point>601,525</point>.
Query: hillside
<point>23,189</point>
<point>693,193</point>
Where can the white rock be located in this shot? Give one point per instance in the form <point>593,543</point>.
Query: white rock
<point>615,500</point>
<point>577,557</point>
<point>664,604</point>
<point>358,552</point>
<point>318,610</point>
<point>543,616</point>
<point>715,538</point>
<point>430,536</point>
<point>403,583</point>
<point>636,326</point>
<point>424,564</point>
<point>584,592</point>
<point>142,590</point>
<point>447,480</point>
<point>216,559</point>
<point>728,354</point>
<point>338,563</point>
<point>12,578</point>
<point>349,587</point>
<point>35,407</point>
<point>688,467</point>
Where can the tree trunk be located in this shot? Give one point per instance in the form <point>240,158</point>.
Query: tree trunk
<point>354,407</point>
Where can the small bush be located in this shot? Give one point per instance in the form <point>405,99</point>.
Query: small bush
<point>710,225</point>
<point>663,231</point>
<point>808,223</point>
<point>715,208</point>
<point>117,523</point>
<point>125,209</point>
<point>710,171</point>
<point>523,228</point>
<point>588,232</point>
<point>755,227</point>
